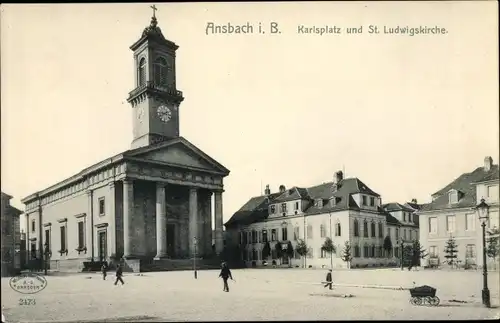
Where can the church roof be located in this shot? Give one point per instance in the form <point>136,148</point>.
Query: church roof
<point>153,33</point>
<point>256,209</point>
<point>130,154</point>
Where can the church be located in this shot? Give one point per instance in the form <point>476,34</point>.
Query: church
<point>151,204</point>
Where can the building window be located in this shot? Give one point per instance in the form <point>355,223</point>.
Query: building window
<point>296,233</point>
<point>284,234</point>
<point>283,207</point>
<point>404,216</point>
<point>356,228</point>
<point>366,251</point>
<point>450,223</point>
<point>296,205</point>
<point>396,252</point>
<point>142,72</point>
<point>322,253</point>
<point>322,231</point>
<point>338,230</point>
<point>433,225</point>
<point>310,253</point>
<point>81,235</point>
<point>273,209</point>
<point>242,238</point>
<point>380,230</point>
<point>63,238</point>
<point>364,199</point>
<point>365,229</point>
<point>492,191</point>
<point>453,197</point>
<point>160,71</point>
<point>264,236</point>
<point>102,209</point>
<point>372,201</point>
<point>389,232</point>
<point>249,237</point>
<point>373,229</point>
<point>470,251</point>
<point>373,251</point>
<point>356,251</point>
<point>397,233</point>
<point>273,235</point>
<point>254,236</point>
<point>411,234</point>
<point>33,250</point>
<point>255,255</point>
<point>309,231</point>
<point>33,225</point>
<point>470,222</point>
<point>433,252</point>
<point>47,238</point>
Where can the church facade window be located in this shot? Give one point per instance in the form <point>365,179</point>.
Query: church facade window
<point>160,69</point>
<point>142,72</point>
<point>102,206</point>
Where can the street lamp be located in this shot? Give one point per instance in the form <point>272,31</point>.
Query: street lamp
<point>483,213</point>
<point>400,238</point>
<point>195,244</point>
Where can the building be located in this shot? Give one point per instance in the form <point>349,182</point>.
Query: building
<point>452,213</point>
<point>146,204</point>
<point>345,210</point>
<point>11,237</point>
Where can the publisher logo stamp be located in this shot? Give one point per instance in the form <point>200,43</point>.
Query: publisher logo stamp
<point>28,283</point>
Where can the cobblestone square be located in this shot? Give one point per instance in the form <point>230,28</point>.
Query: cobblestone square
<point>256,294</point>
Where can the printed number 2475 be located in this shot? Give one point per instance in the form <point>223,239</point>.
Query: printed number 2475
<point>27,301</point>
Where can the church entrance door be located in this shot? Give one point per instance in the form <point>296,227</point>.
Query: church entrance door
<point>171,240</point>
<point>102,245</point>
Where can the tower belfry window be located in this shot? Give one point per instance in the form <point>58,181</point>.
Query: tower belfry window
<point>142,72</point>
<point>160,71</point>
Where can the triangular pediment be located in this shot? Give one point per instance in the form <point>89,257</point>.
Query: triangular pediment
<point>179,152</point>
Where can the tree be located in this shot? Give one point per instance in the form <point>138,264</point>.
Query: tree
<point>407,255</point>
<point>451,250</point>
<point>328,247</point>
<point>387,245</point>
<point>266,251</point>
<point>347,254</point>
<point>289,252</point>
<point>301,248</point>
<point>418,253</point>
<point>493,245</point>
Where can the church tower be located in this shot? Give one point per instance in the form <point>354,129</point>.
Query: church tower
<point>155,100</point>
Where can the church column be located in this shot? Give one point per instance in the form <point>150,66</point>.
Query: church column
<point>219,243</point>
<point>128,213</point>
<point>89,230</point>
<point>193,218</point>
<point>208,224</point>
<point>161,221</point>
<point>112,220</point>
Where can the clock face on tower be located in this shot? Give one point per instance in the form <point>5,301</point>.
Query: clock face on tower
<point>164,113</point>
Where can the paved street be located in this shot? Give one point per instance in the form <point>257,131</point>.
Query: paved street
<point>257,294</point>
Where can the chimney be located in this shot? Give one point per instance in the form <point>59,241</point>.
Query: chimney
<point>282,188</point>
<point>488,162</point>
<point>267,191</point>
<point>339,176</point>
<point>414,201</point>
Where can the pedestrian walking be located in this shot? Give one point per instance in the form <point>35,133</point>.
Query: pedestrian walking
<point>104,271</point>
<point>119,274</point>
<point>225,273</point>
<point>329,279</point>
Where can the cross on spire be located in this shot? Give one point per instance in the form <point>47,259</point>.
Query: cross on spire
<point>154,10</point>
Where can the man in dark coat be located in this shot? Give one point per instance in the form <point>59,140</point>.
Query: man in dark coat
<point>104,270</point>
<point>329,279</point>
<point>225,273</point>
<point>119,274</point>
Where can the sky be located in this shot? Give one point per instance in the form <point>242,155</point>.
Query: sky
<point>406,115</point>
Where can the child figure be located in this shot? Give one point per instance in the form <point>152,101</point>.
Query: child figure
<point>329,279</point>
<point>104,270</point>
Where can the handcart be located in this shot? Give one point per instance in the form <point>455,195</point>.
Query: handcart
<point>423,295</point>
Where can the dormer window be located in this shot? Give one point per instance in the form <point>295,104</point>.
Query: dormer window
<point>453,197</point>
<point>372,201</point>
<point>296,205</point>
<point>283,207</point>
<point>273,209</point>
<point>319,203</point>
<point>364,200</point>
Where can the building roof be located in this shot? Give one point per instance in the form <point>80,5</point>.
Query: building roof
<point>256,209</point>
<point>394,206</point>
<point>9,209</point>
<point>465,185</point>
<point>414,206</point>
<point>131,153</point>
